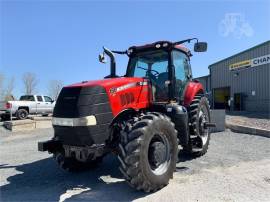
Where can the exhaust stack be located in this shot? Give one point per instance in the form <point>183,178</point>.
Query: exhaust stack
<point>112,63</point>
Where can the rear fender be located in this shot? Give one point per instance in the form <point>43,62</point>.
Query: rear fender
<point>24,107</point>
<point>192,89</point>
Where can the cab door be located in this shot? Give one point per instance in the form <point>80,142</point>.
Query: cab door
<point>182,72</point>
<point>49,103</point>
<point>41,107</point>
<point>154,66</point>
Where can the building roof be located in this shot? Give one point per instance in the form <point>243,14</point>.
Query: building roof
<point>200,77</point>
<point>252,48</point>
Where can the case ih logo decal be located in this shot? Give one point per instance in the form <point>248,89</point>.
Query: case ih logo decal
<point>126,86</point>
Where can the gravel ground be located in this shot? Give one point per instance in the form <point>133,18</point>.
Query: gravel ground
<point>256,120</point>
<point>236,168</point>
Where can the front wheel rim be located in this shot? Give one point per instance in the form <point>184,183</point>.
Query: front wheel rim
<point>159,155</point>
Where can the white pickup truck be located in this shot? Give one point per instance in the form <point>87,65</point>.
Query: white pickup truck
<point>27,104</point>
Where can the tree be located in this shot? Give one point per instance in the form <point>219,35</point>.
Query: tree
<point>6,88</point>
<point>2,77</point>
<point>54,88</point>
<point>30,83</point>
<point>9,89</point>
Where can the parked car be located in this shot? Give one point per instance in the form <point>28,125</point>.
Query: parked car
<point>27,104</point>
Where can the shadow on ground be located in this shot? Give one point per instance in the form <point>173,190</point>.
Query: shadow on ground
<point>44,181</point>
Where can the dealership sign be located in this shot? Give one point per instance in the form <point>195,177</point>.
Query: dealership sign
<point>250,63</point>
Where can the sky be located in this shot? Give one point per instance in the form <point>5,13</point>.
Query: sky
<point>61,40</point>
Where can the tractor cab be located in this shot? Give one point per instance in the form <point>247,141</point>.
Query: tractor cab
<point>166,64</point>
<point>167,68</point>
<point>142,116</point>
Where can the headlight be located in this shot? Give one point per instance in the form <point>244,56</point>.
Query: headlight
<point>83,121</point>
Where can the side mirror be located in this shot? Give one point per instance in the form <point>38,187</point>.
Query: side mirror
<point>200,47</point>
<point>189,77</point>
<point>102,58</point>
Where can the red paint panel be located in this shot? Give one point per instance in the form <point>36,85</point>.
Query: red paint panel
<point>142,94</point>
<point>192,89</point>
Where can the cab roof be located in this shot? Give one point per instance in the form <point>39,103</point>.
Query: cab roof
<point>160,45</point>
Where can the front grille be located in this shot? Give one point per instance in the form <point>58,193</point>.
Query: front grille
<point>82,101</point>
<point>74,102</point>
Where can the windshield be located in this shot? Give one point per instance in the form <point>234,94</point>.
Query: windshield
<point>148,63</point>
<point>27,98</point>
<point>154,66</point>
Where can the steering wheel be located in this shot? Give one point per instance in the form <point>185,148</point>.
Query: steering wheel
<point>156,73</point>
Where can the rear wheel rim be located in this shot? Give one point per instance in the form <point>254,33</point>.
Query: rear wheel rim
<point>203,132</point>
<point>23,114</point>
<point>159,156</point>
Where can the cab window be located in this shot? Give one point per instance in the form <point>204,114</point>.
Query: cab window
<point>145,63</point>
<point>140,68</point>
<point>48,99</point>
<point>181,65</point>
<point>154,66</point>
<point>39,98</point>
<point>27,98</point>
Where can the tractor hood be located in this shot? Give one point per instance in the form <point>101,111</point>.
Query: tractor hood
<point>112,95</point>
<point>108,83</point>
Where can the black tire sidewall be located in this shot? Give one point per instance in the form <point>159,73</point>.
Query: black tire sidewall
<point>158,127</point>
<point>20,112</point>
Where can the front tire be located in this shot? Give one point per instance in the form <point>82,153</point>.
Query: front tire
<point>148,151</point>
<point>70,164</point>
<point>199,113</point>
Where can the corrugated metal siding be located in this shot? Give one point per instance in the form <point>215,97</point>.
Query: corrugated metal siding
<point>248,80</point>
<point>205,81</point>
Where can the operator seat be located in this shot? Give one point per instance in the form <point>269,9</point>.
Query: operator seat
<point>162,77</point>
<point>162,90</point>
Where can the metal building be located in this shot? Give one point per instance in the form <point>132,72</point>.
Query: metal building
<point>242,81</point>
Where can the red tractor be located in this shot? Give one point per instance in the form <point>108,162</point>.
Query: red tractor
<point>142,116</point>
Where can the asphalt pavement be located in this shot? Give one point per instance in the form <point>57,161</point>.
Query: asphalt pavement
<point>236,168</point>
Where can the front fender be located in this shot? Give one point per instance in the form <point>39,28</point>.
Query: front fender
<point>123,115</point>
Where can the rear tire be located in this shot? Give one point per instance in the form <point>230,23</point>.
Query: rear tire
<point>22,114</point>
<point>148,151</point>
<point>72,165</point>
<point>199,112</point>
